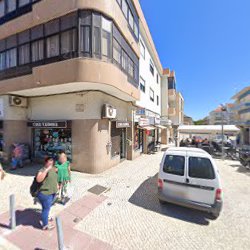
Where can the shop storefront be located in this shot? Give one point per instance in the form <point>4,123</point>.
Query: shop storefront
<point>119,138</point>
<point>51,137</point>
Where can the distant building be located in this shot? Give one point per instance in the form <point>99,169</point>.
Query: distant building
<point>175,101</point>
<point>242,112</point>
<point>228,117</point>
<point>188,120</point>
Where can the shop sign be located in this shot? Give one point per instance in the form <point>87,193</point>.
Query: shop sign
<point>1,108</point>
<point>157,121</point>
<point>140,112</point>
<point>165,122</point>
<point>151,120</point>
<point>48,124</point>
<point>122,124</point>
<point>143,122</point>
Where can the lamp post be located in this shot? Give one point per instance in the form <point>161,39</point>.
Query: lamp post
<point>223,109</point>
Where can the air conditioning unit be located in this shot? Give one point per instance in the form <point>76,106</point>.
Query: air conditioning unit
<point>108,111</point>
<point>17,101</point>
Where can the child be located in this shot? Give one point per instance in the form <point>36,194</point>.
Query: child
<point>64,174</point>
<point>16,157</point>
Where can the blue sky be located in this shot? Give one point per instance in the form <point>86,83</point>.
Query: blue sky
<point>207,43</point>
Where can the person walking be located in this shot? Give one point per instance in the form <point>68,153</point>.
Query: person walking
<point>47,177</point>
<point>64,174</point>
<point>2,173</point>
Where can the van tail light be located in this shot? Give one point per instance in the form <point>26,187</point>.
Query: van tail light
<point>218,194</point>
<point>160,184</point>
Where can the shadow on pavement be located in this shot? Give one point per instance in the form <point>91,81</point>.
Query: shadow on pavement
<point>27,217</point>
<point>241,169</point>
<point>146,197</point>
<point>28,170</point>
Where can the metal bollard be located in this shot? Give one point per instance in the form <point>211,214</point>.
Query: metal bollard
<point>12,212</point>
<point>59,233</point>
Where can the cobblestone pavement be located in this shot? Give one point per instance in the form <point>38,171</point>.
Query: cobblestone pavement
<point>131,217</point>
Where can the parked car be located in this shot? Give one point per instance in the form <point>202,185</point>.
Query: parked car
<point>189,177</point>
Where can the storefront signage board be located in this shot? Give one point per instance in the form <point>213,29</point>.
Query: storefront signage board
<point>48,124</point>
<point>143,122</point>
<point>122,124</point>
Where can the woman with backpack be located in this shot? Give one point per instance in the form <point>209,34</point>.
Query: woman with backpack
<point>47,178</point>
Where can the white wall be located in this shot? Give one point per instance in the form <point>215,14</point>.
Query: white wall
<point>150,81</point>
<point>63,107</point>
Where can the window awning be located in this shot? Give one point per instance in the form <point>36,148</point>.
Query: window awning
<point>147,127</point>
<point>161,127</point>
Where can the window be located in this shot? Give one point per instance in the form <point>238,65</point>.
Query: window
<point>152,67</point>
<point>68,41</point>
<point>10,5</point>
<point>97,41</point>
<point>2,8</point>
<point>174,164</point>
<point>136,30</point>
<point>37,50</point>
<point>142,49</point>
<point>117,51</point>
<point>142,85</point>
<point>23,2</point>
<point>24,54</point>
<point>106,37</point>
<point>157,78</point>
<point>151,95</point>
<point>97,35</point>
<point>2,61</point>
<point>125,8</point>
<point>131,19</point>
<point>157,100</point>
<point>130,68</point>
<point>11,58</point>
<point>124,61</point>
<point>85,39</point>
<point>201,168</point>
<point>52,44</point>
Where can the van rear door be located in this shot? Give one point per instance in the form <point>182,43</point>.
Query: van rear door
<point>173,175</point>
<point>201,179</point>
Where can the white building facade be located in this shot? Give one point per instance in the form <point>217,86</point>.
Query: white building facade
<point>149,107</point>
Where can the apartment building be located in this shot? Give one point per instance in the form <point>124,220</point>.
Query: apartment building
<point>148,114</point>
<point>175,101</point>
<point>217,117</point>
<point>188,120</point>
<point>242,110</point>
<point>69,75</point>
<point>71,78</point>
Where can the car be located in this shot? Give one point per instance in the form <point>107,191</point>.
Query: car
<point>189,177</point>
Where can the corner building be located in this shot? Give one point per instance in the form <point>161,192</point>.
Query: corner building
<point>69,75</point>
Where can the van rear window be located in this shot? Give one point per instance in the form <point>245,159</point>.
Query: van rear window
<point>201,168</point>
<point>174,164</point>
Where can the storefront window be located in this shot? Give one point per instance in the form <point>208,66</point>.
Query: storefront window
<point>49,142</point>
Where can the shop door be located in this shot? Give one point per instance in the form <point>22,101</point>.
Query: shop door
<point>123,148</point>
<point>141,138</point>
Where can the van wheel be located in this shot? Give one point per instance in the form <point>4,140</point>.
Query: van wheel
<point>215,216</point>
<point>162,202</point>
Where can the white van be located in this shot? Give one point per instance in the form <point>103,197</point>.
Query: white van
<point>189,177</point>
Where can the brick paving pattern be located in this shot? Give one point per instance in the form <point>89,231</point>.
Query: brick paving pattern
<point>131,217</point>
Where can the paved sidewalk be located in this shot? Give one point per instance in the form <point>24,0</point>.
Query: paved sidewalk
<point>29,236</point>
<point>131,217</point>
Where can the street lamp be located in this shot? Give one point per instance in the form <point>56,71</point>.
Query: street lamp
<point>223,109</point>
